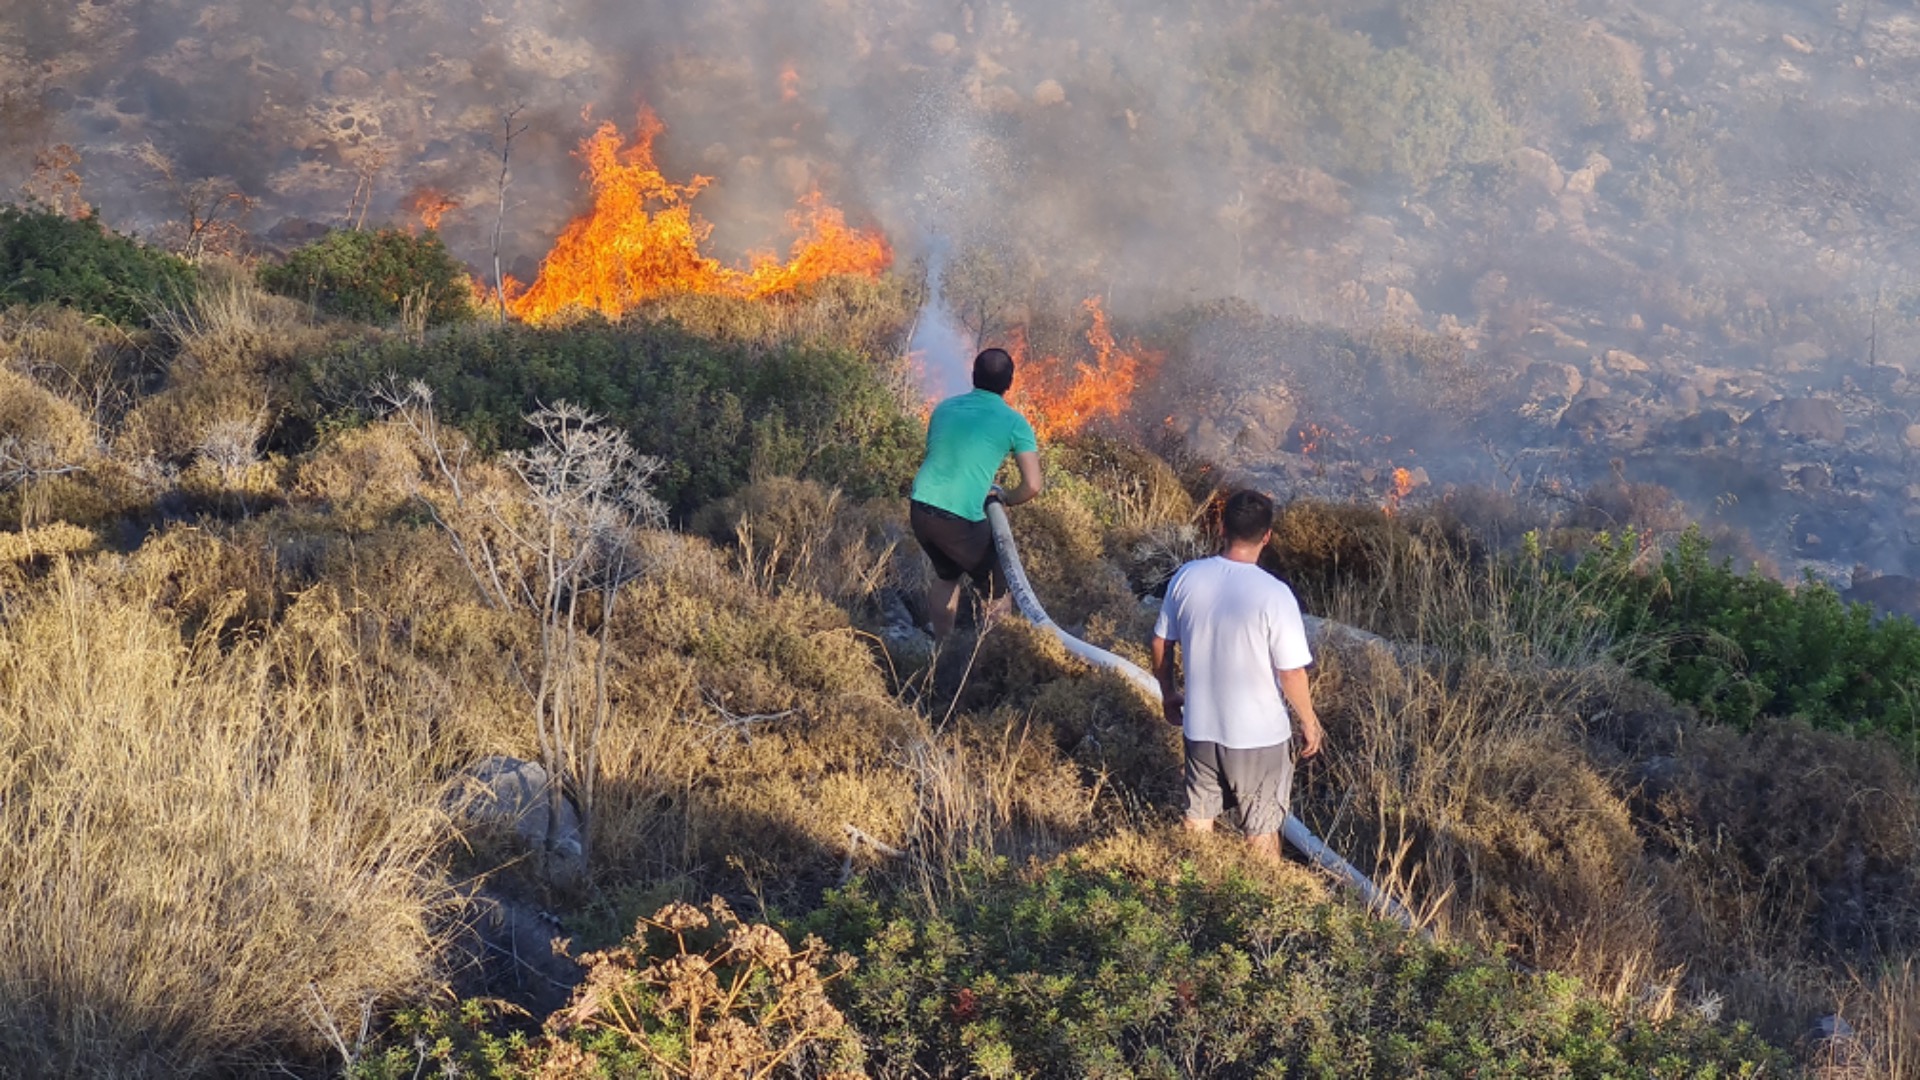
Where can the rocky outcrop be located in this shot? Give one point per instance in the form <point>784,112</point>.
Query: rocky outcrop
<point>1800,420</point>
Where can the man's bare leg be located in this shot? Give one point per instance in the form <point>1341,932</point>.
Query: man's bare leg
<point>1198,825</point>
<point>1266,845</point>
<point>943,602</point>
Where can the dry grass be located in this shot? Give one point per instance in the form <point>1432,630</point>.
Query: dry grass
<point>206,849</point>
<point>231,345</point>
<point>1883,1009</point>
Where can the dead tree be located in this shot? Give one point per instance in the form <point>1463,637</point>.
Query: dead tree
<point>511,132</point>
<point>212,207</point>
<point>558,547</point>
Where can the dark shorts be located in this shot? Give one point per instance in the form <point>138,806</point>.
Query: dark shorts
<point>957,547</point>
<point>1258,782</point>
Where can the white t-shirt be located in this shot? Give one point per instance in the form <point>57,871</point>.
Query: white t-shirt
<point>1237,625</point>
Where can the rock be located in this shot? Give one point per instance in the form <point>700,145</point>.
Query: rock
<point>1814,477</point>
<point>347,80</point>
<point>297,231</point>
<point>1795,44</point>
<point>1625,362</point>
<point>1537,167</point>
<point>1598,420</point>
<point>507,947</point>
<point>1888,594</point>
<point>1801,419</point>
<point>1707,428</point>
<point>513,792</point>
<point>1252,426</point>
<point>1547,381</point>
<point>1583,180</point>
<point>1049,92</point>
<point>1798,357</point>
<point>943,43</point>
<point>1911,436</point>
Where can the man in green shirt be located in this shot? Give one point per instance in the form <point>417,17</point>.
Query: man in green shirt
<point>968,437</point>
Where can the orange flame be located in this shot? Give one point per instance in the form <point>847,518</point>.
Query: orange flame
<point>789,83</point>
<point>642,239</point>
<point>1061,397</point>
<point>431,206</point>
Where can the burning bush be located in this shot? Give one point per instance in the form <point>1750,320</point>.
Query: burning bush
<point>49,258</point>
<point>377,277</point>
<point>642,240</point>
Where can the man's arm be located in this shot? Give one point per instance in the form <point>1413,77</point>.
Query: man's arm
<point>1031,481</point>
<point>1300,699</point>
<point>1172,701</point>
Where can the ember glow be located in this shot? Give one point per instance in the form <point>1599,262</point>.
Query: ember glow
<point>1062,395</point>
<point>642,239</point>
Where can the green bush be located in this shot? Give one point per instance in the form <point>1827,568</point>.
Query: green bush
<point>1742,646</point>
<point>371,276</point>
<point>1078,971</point>
<point>48,258</point>
<point>718,413</point>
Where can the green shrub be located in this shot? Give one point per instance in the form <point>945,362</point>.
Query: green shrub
<point>1742,646</point>
<point>48,258</point>
<point>1079,971</point>
<point>719,413</point>
<point>374,276</point>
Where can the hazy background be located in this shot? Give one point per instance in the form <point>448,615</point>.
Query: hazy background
<point>1692,206</point>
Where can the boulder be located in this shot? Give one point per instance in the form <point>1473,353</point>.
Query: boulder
<point>1248,427</point>
<point>1706,428</point>
<point>1547,380</point>
<point>1912,436</point>
<point>1888,594</point>
<point>1600,420</point>
<point>512,792</point>
<point>1625,363</point>
<point>1800,419</point>
<point>1813,477</point>
<point>1538,168</point>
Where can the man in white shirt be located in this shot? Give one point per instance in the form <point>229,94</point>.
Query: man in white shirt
<point>1245,649</point>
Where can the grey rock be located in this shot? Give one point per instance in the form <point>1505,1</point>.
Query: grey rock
<point>512,792</point>
<point>1889,594</point>
<point>1801,419</point>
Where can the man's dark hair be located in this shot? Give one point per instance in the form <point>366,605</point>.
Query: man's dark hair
<point>1246,517</point>
<point>993,371</point>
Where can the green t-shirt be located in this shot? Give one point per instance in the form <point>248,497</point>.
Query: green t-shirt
<point>967,438</point>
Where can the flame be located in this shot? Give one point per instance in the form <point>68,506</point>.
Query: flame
<point>431,206</point>
<point>1061,397</point>
<point>642,239</point>
<point>789,83</point>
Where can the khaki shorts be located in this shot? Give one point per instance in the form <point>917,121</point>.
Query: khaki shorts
<point>1258,783</point>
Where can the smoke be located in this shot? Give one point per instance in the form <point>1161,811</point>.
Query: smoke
<point>1500,190</point>
<point>940,345</point>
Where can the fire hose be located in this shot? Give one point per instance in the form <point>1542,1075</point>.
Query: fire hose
<point>1296,834</point>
